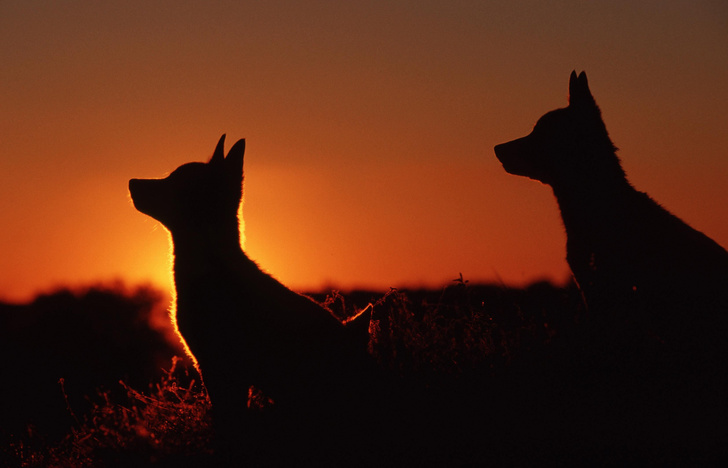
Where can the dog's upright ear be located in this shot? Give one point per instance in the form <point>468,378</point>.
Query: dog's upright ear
<point>232,164</point>
<point>219,154</point>
<point>234,159</point>
<point>579,94</point>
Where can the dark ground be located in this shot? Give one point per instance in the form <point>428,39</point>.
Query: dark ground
<point>494,375</point>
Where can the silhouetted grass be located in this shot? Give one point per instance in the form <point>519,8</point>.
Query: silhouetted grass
<point>490,375</point>
<point>458,350</point>
<point>462,329</point>
<point>92,338</point>
<point>167,425</point>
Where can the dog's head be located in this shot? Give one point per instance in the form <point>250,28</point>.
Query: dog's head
<point>563,142</point>
<point>196,193</point>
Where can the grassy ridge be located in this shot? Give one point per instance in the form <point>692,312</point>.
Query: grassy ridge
<point>497,375</point>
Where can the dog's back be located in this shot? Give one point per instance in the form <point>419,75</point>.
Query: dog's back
<point>247,329</point>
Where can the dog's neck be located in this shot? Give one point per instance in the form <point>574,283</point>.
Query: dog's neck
<point>590,203</point>
<point>206,249</point>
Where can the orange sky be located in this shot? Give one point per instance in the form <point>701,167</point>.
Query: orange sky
<point>369,126</point>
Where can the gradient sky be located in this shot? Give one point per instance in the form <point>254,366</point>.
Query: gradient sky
<point>370,128</point>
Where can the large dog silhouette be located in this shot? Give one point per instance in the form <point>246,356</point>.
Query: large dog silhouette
<point>657,289</point>
<point>246,329</point>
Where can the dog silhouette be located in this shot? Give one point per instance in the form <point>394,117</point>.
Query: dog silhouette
<point>656,289</point>
<point>246,329</point>
<point>623,248</point>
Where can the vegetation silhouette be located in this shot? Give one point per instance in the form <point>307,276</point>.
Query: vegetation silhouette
<point>656,288</point>
<point>89,339</point>
<point>492,374</point>
<point>467,357</point>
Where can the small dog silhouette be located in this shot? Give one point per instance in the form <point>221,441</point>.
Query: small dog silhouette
<point>656,288</point>
<point>244,327</point>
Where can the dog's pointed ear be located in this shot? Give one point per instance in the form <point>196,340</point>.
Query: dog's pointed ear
<point>579,94</point>
<point>234,159</point>
<point>584,87</point>
<point>219,154</point>
<point>573,83</point>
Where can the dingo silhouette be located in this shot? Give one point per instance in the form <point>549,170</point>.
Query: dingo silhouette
<point>246,329</point>
<point>623,248</point>
<point>657,289</point>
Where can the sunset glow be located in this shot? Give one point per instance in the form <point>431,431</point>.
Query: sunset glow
<point>370,130</point>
